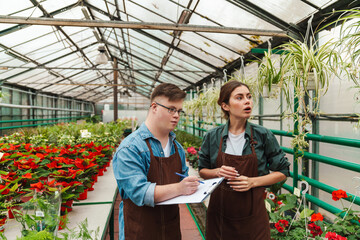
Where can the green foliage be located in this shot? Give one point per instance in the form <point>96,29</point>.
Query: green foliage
<point>348,226</point>
<point>93,119</point>
<point>34,235</point>
<point>204,105</point>
<point>41,213</point>
<point>187,139</point>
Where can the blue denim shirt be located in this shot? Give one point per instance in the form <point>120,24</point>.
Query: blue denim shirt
<point>131,164</point>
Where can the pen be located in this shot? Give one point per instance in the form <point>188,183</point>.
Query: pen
<point>182,175</point>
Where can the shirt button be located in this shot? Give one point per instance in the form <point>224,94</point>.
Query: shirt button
<point>161,152</point>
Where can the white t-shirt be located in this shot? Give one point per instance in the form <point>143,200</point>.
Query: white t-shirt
<point>235,144</point>
<point>167,149</point>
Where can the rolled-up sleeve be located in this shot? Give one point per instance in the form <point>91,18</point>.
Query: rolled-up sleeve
<point>204,153</point>
<point>276,159</point>
<point>131,176</point>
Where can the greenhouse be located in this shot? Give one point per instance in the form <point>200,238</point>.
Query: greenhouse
<point>255,105</point>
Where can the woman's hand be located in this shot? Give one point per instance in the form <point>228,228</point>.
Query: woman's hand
<point>241,183</point>
<point>227,172</point>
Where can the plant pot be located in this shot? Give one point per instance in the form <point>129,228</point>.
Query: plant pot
<point>2,223</point>
<point>266,93</point>
<point>25,199</point>
<point>44,178</point>
<point>62,222</point>
<point>311,84</point>
<point>83,195</point>
<point>92,187</point>
<point>11,213</point>
<point>67,206</point>
<point>95,177</point>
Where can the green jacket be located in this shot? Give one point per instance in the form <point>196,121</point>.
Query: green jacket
<point>268,151</point>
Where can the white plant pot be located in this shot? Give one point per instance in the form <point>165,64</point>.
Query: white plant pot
<point>311,84</point>
<point>266,93</point>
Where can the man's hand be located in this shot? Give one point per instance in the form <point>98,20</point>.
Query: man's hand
<point>188,185</point>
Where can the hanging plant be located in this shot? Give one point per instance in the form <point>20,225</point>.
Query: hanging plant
<point>301,61</point>
<point>269,77</point>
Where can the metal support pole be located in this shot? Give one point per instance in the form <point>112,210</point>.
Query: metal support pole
<point>296,132</point>
<point>261,110</point>
<point>115,91</point>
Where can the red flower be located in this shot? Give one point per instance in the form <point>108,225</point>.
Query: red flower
<point>52,165</point>
<point>191,150</point>
<point>6,191</point>
<point>334,236</point>
<point>281,225</point>
<point>315,230</point>
<point>337,195</point>
<point>9,176</point>
<point>28,175</point>
<point>37,186</point>
<point>316,217</point>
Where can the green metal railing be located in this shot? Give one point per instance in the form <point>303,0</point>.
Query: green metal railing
<point>36,120</point>
<point>316,157</point>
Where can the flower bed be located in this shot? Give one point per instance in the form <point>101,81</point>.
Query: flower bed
<point>46,160</point>
<point>291,221</point>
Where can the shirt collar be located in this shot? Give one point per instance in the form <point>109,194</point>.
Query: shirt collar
<point>225,131</point>
<point>145,133</point>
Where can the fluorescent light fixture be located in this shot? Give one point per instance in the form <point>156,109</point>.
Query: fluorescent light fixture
<point>101,58</point>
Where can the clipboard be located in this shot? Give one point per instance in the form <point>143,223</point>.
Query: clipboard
<point>203,191</point>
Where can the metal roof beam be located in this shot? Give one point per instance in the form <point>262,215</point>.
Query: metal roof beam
<point>137,25</point>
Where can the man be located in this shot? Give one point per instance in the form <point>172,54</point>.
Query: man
<point>144,167</point>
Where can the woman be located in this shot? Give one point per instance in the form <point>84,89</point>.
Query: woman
<point>244,154</point>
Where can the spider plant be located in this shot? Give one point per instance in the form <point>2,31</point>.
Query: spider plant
<point>349,44</point>
<point>268,74</point>
<point>301,60</point>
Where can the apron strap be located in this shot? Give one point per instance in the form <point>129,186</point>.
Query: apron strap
<point>252,141</point>
<point>148,144</point>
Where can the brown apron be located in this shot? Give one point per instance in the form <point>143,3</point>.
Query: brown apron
<point>237,215</point>
<point>161,222</point>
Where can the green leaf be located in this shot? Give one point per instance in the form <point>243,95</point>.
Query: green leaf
<point>306,211</point>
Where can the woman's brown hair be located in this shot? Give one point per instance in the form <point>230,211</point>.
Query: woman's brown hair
<point>225,93</point>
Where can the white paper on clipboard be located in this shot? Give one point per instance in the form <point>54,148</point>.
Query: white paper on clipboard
<point>200,195</point>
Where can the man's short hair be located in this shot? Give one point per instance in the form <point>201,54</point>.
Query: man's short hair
<point>169,90</point>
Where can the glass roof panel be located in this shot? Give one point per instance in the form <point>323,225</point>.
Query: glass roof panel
<point>281,9</point>
<point>322,3</point>
<point>134,48</point>
<point>53,5</point>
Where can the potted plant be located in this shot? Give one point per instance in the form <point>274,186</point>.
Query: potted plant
<point>3,215</point>
<point>269,76</point>
<point>301,61</point>
<point>348,44</point>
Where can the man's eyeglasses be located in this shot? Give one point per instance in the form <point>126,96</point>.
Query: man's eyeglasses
<point>172,111</point>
